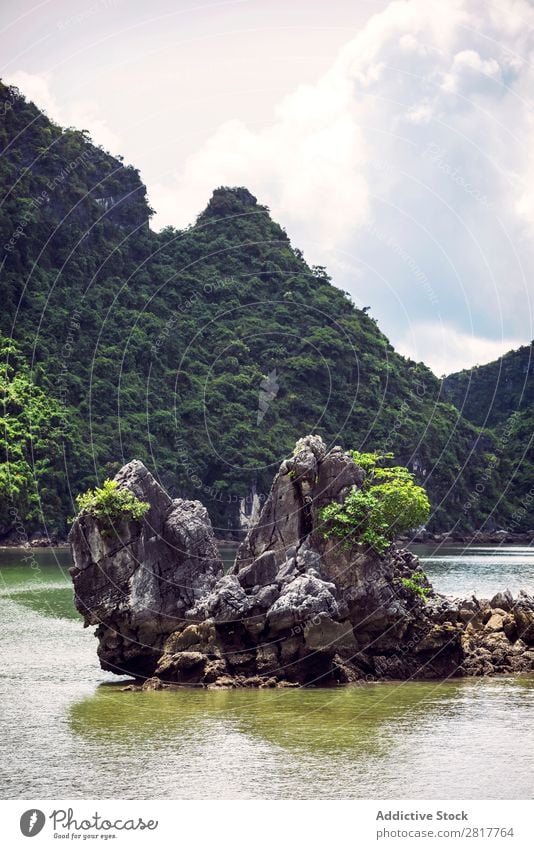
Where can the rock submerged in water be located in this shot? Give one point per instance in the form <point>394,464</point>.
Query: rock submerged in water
<point>295,608</point>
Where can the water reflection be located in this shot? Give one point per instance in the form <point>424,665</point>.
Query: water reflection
<point>356,718</point>
<point>413,740</point>
<point>39,580</point>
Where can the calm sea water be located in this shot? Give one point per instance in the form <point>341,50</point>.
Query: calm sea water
<point>68,731</point>
<point>483,570</point>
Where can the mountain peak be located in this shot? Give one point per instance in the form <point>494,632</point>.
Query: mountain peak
<point>229,200</point>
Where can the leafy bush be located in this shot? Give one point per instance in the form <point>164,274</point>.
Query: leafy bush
<point>110,505</point>
<point>414,584</point>
<point>389,503</point>
<point>358,519</point>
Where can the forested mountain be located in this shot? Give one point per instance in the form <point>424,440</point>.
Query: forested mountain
<point>500,396</point>
<point>205,352</point>
<point>488,395</point>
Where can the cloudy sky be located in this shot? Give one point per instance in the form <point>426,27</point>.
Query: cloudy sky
<point>393,140</point>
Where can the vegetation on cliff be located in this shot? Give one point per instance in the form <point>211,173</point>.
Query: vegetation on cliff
<point>204,352</point>
<point>32,440</point>
<point>111,505</point>
<point>488,395</point>
<point>500,397</point>
<point>389,503</point>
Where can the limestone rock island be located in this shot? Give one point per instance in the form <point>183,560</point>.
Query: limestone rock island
<point>297,608</point>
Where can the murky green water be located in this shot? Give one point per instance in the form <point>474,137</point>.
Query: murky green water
<point>68,731</point>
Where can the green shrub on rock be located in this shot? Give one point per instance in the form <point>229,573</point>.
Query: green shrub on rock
<point>389,503</point>
<point>415,584</point>
<point>110,505</point>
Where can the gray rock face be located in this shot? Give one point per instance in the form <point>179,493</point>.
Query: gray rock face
<point>137,581</point>
<point>300,601</point>
<point>227,602</point>
<point>504,600</point>
<point>295,608</point>
<point>260,572</point>
<point>286,517</point>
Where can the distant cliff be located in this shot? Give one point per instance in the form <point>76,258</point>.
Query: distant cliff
<point>488,395</point>
<point>500,396</point>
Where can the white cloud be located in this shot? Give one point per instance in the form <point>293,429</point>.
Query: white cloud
<point>407,168</point>
<point>447,350</point>
<point>467,69</point>
<point>35,87</point>
<point>360,145</point>
<point>84,114</point>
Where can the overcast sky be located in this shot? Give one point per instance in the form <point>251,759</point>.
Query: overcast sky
<point>393,140</point>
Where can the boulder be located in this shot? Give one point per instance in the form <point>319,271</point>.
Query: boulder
<point>438,637</point>
<point>304,598</point>
<point>495,622</point>
<point>503,600</point>
<point>306,481</point>
<point>267,661</point>
<point>509,627</point>
<point>226,602</point>
<point>324,634</point>
<point>524,622</point>
<point>260,572</point>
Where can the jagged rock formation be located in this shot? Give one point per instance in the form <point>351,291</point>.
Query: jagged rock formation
<point>137,582</point>
<point>296,608</point>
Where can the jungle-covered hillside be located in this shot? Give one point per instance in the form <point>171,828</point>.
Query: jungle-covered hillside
<point>205,352</point>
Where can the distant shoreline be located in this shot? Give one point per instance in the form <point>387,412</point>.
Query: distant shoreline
<point>465,538</point>
<point>445,538</point>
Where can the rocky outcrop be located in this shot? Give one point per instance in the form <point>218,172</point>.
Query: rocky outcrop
<point>137,581</point>
<point>496,636</point>
<point>305,482</point>
<point>296,608</point>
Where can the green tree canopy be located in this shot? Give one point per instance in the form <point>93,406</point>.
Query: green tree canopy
<point>388,503</point>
